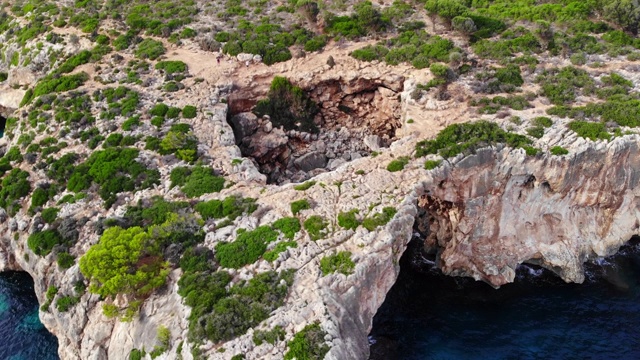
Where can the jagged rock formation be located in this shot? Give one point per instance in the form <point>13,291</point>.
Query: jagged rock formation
<point>494,210</point>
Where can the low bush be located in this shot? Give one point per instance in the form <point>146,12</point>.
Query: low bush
<point>304,186</point>
<point>172,67</point>
<point>432,164</point>
<point>288,106</point>
<point>197,181</point>
<point>299,205</point>
<point>289,226</point>
<point>189,112</point>
<point>65,260</point>
<point>559,151</point>
<point>64,303</point>
<point>340,262</point>
<point>231,207</point>
<point>246,248</point>
<point>348,220</point>
<point>379,219</point>
<point>468,137</point>
<point>41,243</point>
<point>308,344</point>
<point>315,226</point>
<point>115,170</point>
<point>270,337</point>
<point>272,255</point>
<point>150,49</point>
<point>590,130</point>
<point>398,164</point>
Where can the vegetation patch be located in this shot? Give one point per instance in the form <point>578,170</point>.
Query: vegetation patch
<point>316,227</point>
<point>196,181</point>
<point>288,106</point>
<point>467,138</point>
<point>308,344</point>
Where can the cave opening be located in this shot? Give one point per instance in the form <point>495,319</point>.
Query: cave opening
<point>3,124</point>
<point>22,335</point>
<point>427,314</point>
<point>353,120</point>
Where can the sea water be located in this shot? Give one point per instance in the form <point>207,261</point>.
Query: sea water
<point>427,315</point>
<point>22,335</point>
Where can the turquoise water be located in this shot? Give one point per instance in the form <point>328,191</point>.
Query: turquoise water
<point>22,335</point>
<point>431,316</point>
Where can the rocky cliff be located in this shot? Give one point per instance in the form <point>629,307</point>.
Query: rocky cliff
<point>482,212</point>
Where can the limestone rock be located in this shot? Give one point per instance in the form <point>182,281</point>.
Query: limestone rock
<point>244,125</point>
<point>310,161</point>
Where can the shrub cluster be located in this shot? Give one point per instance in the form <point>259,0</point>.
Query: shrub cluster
<point>309,344</point>
<point>340,262</point>
<point>288,106</point>
<point>115,170</point>
<point>196,181</point>
<point>465,138</point>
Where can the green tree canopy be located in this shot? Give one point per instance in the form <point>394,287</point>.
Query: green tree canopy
<point>125,261</point>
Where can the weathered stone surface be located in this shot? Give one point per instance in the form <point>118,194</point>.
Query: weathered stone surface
<point>311,161</point>
<point>244,125</point>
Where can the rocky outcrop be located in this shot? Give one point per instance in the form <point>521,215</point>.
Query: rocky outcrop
<point>489,212</point>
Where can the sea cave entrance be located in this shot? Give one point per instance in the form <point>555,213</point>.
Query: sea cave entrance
<point>427,315</point>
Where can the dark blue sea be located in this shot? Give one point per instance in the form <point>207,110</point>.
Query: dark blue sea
<point>431,316</point>
<point>22,335</point>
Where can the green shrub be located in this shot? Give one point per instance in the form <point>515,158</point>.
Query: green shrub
<point>150,49</point>
<point>398,164</point>
<point>340,262</point>
<point>171,67</point>
<point>561,85</point>
<point>64,303</point>
<point>173,113</point>
<point>536,131</point>
<point>231,207</point>
<point>114,170</point>
<point>432,164</point>
<point>590,130</point>
<point>189,112</point>
<point>288,106</point>
<point>315,226</point>
<point>272,255</point>
<point>246,249</point>
<point>270,337</point>
<point>289,226</point>
<point>559,151</point>
<point>371,223</point>
<point>159,110</point>
<point>131,123</point>
<point>530,150</point>
<point>542,121</point>
<point>113,265</point>
<point>14,186</point>
<point>308,344</point>
<point>49,215</point>
<point>468,137</point>
<point>510,74</point>
<point>299,205</point>
<point>219,314</point>
<point>41,243</point>
<point>65,260</point>
<point>304,186</point>
<point>201,180</point>
<point>348,219</point>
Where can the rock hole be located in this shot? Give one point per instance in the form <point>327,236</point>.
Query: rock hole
<point>353,119</point>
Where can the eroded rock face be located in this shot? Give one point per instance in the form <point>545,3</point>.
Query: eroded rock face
<point>495,210</point>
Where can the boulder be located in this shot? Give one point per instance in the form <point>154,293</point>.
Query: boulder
<point>310,161</point>
<point>244,124</point>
